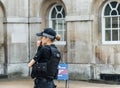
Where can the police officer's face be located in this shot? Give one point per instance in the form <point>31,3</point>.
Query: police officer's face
<point>44,40</point>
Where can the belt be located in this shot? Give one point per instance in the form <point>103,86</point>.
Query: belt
<point>44,79</point>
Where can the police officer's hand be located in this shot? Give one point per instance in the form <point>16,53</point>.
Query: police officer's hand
<point>39,43</point>
<point>31,63</point>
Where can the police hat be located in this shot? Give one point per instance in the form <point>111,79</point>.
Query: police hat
<point>48,32</point>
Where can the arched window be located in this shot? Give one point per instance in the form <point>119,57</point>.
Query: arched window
<point>111,23</point>
<point>57,21</point>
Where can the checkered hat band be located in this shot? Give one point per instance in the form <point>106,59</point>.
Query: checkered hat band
<point>47,35</point>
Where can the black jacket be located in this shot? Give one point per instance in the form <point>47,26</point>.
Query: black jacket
<point>42,55</point>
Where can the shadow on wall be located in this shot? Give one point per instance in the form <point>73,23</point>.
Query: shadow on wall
<point>15,75</point>
<point>107,54</point>
<point>78,76</point>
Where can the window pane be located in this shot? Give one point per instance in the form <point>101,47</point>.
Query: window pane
<point>114,22</point>
<point>113,4</point>
<point>114,12</point>
<point>119,34</point>
<point>53,15</point>
<point>115,35</point>
<point>62,36</point>
<point>63,12</point>
<point>107,10</point>
<point>59,8</point>
<point>107,35</point>
<point>119,22</point>
<point>107,22</point>
<point>64,24</point>
<point>118,9</point>
<point>60,25</point>
<point>54,24</point>
<point>59,16</point>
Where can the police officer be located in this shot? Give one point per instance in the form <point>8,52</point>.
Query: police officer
<point>48,36</point>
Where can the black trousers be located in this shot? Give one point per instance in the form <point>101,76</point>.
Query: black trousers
<point>43,83</point>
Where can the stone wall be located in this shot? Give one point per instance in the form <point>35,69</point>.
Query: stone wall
<point>20,20</point>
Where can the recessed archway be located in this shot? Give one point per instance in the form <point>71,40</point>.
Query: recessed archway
<point>3,41</point>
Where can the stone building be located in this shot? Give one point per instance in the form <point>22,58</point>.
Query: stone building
<point>90,31</point>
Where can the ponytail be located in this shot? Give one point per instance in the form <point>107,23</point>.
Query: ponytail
<point>58,37</point>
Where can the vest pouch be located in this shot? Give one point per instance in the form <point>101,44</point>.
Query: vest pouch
<point>38,69</point>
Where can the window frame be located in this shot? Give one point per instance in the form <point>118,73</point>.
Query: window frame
<point>63,30</point>
<point>104,24</point>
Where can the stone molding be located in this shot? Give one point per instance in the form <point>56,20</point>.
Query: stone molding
<point>79,18</point>
<point>22,20</point>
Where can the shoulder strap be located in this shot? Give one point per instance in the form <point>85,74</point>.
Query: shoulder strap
<point>55,52</point>
<point>53,62</point>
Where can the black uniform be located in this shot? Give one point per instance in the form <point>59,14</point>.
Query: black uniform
<point>43,80</point>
